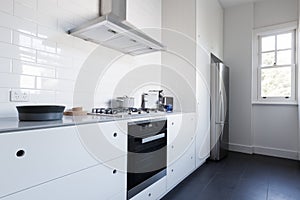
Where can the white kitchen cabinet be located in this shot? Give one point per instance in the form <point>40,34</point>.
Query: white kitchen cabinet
<point>210,26</point>
<point>153,192</point>
<point>181,147</point>
<point>29,158</point>
<point>182,167</point>
<point>104,181</point>
<point>203,106</point>
<point>104,141</point>
<point>181,134</point>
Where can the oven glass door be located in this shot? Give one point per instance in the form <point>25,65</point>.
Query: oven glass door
<point>147,158</point>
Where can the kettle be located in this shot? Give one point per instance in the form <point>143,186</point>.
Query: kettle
<point>125,102</point>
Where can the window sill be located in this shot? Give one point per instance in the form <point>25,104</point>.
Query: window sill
<point>292,103</point>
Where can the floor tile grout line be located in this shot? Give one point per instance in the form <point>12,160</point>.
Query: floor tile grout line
<point>210,180</point>
<point>240,179</point>
<point>268,191</point>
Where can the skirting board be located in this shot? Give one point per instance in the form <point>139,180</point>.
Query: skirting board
<point>281,153</point>
<point>241,148</point>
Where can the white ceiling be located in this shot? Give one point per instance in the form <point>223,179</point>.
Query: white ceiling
<point>230,3</point>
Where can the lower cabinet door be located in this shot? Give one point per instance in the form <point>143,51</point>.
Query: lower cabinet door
<point>105,181</point>
<point>202,147</point>
<point>153,192</point>
<point>182,167</point>
<point>104,141</point>
<point>30,158</point>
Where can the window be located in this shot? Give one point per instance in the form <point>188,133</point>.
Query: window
<point>275,65</point>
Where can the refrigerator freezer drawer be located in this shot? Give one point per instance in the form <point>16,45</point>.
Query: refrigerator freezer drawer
<point>219,141</point>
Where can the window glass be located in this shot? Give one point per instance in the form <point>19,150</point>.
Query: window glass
<point>268,43</point>
<point>267,59</point>
<point>284,41</point>
<point>276,82</point>
<point>284,57</point>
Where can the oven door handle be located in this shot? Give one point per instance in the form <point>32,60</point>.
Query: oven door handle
<point>153,138</point>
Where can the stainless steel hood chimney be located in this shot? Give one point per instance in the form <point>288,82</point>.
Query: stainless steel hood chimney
<point>112,30</point>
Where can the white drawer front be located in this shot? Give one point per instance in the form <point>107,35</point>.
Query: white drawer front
<point>153,192</point>
<point>105,141</point>
<point>43,155</point>
<point>100,182</point>
<point>181,134</point>
<point>181,168</point>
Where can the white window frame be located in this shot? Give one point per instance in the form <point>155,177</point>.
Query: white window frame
<point>256,69</point>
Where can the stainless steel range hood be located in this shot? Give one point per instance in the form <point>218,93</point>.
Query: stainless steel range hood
<point>112,30</point>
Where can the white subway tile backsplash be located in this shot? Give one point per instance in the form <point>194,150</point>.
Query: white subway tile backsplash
<point>44,45</point>
<point>65,98</point>
<point>8,80</point>
<point>4,95</point>
<point>17,23</point>
<point>33,42</point>
<point>84,46</point>
<point>5,35</point>
<point>48,6</point>
<point>65,25</point>
<point>17,52</point>
<point>66,50</point>
<point>66,85</point>
<point>58,36</point>
<point>22,39</point>
<point>5,65</point>
<point>7,6</point>
<point>46,20</point>
<point>26,81</point>
<point>53,59</point>
<point>42,96</point>
<point>78,62</point>
<point>25,68</point>
<point>8,110</point>
<point>31,14</point>
<point>81,8</point>
<point>47,83</point>
<point>67,74</point>
<point>29,3</point>
<point>37,53</point>
<point>47,33</point>
<point>24,11</point>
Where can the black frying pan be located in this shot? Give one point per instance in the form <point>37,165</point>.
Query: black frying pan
<point>40,113</point>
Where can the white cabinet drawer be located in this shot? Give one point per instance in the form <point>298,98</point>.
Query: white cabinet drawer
<point>105,141</point>
<point>181,134</point>
<point>104,181</point>
<point>32,157</point>
<point>153,192</point>
<point>181,168</point>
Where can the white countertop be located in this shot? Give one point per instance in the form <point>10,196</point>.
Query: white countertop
<point>13,124</point>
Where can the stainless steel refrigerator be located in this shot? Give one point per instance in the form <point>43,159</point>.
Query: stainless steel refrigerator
<point>219,139</point>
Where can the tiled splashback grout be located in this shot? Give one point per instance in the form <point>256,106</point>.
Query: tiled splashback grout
<point>37,54</point>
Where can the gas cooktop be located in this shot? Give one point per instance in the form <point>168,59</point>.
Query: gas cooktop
<point>121,112</point>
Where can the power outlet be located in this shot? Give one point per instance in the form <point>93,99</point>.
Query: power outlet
<point>19,95</point>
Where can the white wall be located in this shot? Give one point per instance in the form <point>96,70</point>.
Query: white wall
<point>38,55</point>
<point>237,55</point>
<point>272,129</point>
<point>280,139</point>
<point>275,130</point>
<point>272,12</point>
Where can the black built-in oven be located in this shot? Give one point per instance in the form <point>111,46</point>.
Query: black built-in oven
<point>147,154</point>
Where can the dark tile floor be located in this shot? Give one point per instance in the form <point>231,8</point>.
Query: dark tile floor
<point>241,177</point>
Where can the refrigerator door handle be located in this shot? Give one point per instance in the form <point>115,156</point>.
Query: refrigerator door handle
<point>221,113</point>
